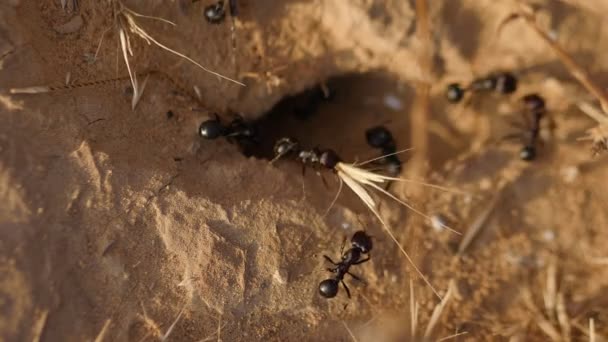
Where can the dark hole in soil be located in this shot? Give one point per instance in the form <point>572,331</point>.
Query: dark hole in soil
<point>338,117</point>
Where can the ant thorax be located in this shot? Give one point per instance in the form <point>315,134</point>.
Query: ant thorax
<point>310,157</point>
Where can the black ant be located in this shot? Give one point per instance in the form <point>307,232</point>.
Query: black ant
<point>380,137</point>
<point>361,244</point>
<point>503,83</point>
<point>243,132</point>
<point>535,106</point>
<point>315,157</point>
<point>215,13</point>
<point>534,111</point>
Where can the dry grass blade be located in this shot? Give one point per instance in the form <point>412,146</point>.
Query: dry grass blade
<point>591,330</point>
<point>479,223</point>
<point>438,311</point>
<point>136,29</point>
<point>527,13</point>
<point>370,179</point>
<point>544,325</point>
<point>125,47</point>
<point>350,332</point>
<point>562,317</point>
<point>39,325</point>
<point>170,330</point>
<point>30,90</point>
<point>414,307</point>
<point>103,331</point>
<point>452,336</point>
<point>369,202</point>
<point>550,293</point>
<point>420,114</point>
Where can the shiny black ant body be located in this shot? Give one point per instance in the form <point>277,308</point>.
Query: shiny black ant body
<point>380,137</point>
<point>503,83</point>
<point>239,130</point>
<point>361,244</point>
<point>315,157</point>
<point>215,13</point>
<point>533,111</point>
<point>535,106</point>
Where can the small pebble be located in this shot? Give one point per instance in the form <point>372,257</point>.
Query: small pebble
<point>71,26</point>
<point>438,222</point>
<point>280,276</point>
<point>570,173</point>
<point>392,102</point>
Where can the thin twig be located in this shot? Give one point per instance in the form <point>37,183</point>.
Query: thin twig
<point>103,331</point>
<point>350,332</point>
<point>439,310</point>
<point>577,71</point>
<point>420,115</point>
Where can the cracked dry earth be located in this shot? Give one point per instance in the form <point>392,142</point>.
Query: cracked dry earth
<point>116,223</point>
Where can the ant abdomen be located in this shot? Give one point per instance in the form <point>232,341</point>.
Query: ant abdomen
<point>211,129</point>
<point>328,288</point>
<point>215,13</point>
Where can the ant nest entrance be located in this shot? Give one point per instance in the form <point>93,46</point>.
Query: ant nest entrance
<point>337,113</point>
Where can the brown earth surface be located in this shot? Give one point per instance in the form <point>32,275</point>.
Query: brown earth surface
<point>124,225</point>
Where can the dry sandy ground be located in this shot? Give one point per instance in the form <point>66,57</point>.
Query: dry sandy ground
<point>115,223</point>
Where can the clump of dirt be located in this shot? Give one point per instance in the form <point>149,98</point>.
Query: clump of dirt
<point>122,224</point>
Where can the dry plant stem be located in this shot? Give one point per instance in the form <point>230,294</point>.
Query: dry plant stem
<point>170,330</point>
<point>103,331</point>
<point>350,332</point>
<point>478,224</point>
<point>413,311</point>
<point>419,118</point>
<point>577,71</point>
<point>39,325</point>
<point>438,311</point>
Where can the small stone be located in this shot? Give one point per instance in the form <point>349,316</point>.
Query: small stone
<point>280,276</point>
<point>570,173</point>
<point>73,25</point>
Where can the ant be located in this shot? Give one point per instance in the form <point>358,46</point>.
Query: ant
<point>503,83</point>
<point>243,132</point>
<point>534,105</point>
<point>316,157</point>
<point>215,13</point>
<point>380,137</point>
<point>533,111</point>
<point>361,244</point>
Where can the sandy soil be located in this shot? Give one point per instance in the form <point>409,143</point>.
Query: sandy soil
<point>116,223</point>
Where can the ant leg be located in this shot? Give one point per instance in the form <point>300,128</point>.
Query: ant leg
<point>329,259</point>
<point>346,288</point>
<point>323,179</point>
<point>361,261</point>
<point>356,277</point>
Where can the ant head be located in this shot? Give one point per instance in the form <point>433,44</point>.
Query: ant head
<point>285,145</point>
<point>362,241</point>
<point>454,92</point>
<point>506,83</point>
<point>211,129</point>
<point>328,288</point>
<point>379,137</point>
<point>534,102</point>
<point>329,159</point>
<point>527,153</point>
<point>215,13</point>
